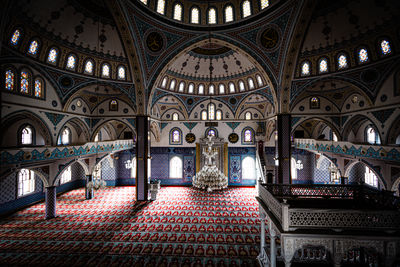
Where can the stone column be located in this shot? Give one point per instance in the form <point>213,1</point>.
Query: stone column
<point>142,155</point>
<point>283,146</point>
<point>272,235</point>
<point>50,201</point>
<point>89,192</point>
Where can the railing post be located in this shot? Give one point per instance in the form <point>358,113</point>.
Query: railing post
<point>272,234</point>
<point>285,216</point>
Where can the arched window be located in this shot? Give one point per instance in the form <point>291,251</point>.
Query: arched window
<point>293,169</point>
<point>15,37</point>
<point>246,8</point>
<point>191,88</point>
<point>175,137</point>
<point>172,85</point>
<point>71,62</point>
<point>175,116</point>
<point>218,115</point>
<point>195,16</point>
<point>65,136</point>
<point>212,16</point>
<point>105,71</point>
<point>334,137</point>
<point>175,168</point>
<point>211,111</point>
<point>27,136</point>
<point>53,54</point>
<point>221,88</point>
<point>251,83</point>
<point>362,55</point>
<point>181,86</point>
<point>259,80</point>
<point>201,89</point>
<point>342,61</point>
<point>26,182</point>
<point>371,135</point>
<point>323,65</point>
<point>97,137</point>
<point>164,82</point>
<point>248,168</point>
<point>248,115</point>
<point>228,13</point>
<point>144,1</point>
<point>247,136</point>
<point>33,47</point>
<point>264,3</point>
<point>161,6</point>
<point>385,47</point>
<point>25,82</point>
<point>314,102</point>
<point>231,87</point>
<point>211,89</point>
<point>38,88</point>
<point>204,115</point>
<point>305,68</point>
<point>370,177</point>
<point>178,11</point>
<point>113,105</point>
<point>10,80</point>
<point>66,176</point>
<point>121,73</point>
<point>89,67</point>
<point>241,86</point>
<point>211,132</point>
<point>133,168</point>
<point>97,171</point>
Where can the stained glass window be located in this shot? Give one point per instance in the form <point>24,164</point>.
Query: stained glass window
<point>24,82</point>
<point>89,67</point>
<point>26,136</point>
<point>195,15</point>
<point>26,182</point>
<point>211,132</point>
<point>201,89</point>
<point>231,87</point>
<point>314,102</point>
<point>172,85</point>
<point>181,86</point>
<point>221,88</point>
<point>362,55</point>
<point>251,83</point>
<point>228,13</point>
<point>191,88</point>
<point>121,73</point>
<point>241,86</point>
<point>212,16</point>
<point>323,65</point>
<point>385,46</point>
<point>105,71</point>
<point>176,136</point>
<point>33,47</point>
<point>219,115</point>
<point>248,115</point>
<point>175,117</point>
<point>211,112</point>
<point>248,136</point>
<point>38,88</point>
<point>204,115</point>
<point>15,37</point>
<point>161,6</point>
<point>10,80</point>
<point>71,62</point>
<point>52,57</point>
<point>264,3</point>
<point>305,69</point>
<point>211,89</point>
<point>259,80</point>
<point>246,9</point>
<point>178,12</point>
<point>66,176</point>
<point>164,82</point>
<point>342,61</point>
<point>113,105</point>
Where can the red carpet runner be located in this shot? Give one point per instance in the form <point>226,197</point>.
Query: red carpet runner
<point>184,227</point>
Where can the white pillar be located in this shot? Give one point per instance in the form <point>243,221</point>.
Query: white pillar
<point>272,234</point>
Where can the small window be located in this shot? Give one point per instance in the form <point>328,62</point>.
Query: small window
<point>97,171</point>
<point>133,168</point>
<point>305,69</point>
<point>121,73</point>
<point>89,67</point>
<point>52,57</point>
<point>212,16</point>
<point>176,168</point>
<point>113,105</point>
<point>314,103</point>
<point>181,87</point>
<point>172,85</point>
<point>66,176</point>
<point>231,87</point>
<point>204,115</point>
<point>334,137</point>
<point>371,135</point>
<point>164,82</point>
<point>71,62</point>
<point>97,137</point>
<point>161,6</point>
<point>191,88</point>
<point>362,55</point>
<point>195,15</point>
<point>248,168</point>
<point>27,136</point>
<point>264,3</point>
<point>211,89</point>
<point>175,137</point>
<point>323,65</point>
<point>175,116</point>
<point>212,132</point>
<point>26,182</point>
<point>15,37</point>
<point>144,1</point>
<point>219,115</point>
<point>25,82</point>
<point>293,169</point>
<point>201,89</point>
<point>178,12</point>
<point>246,8</point>
<point>211,111</point>
<point>370,177</point>
<point>259,81</point>
<point>385,47</point>
<point>342,61</point>
<point>9,80</point>
<point>228,13</point>
<point>221,88</point>
<point>251,83</point>
<point>247,136</point>
<point>105,71</point>
<point>33,47</point>
<point>65,136</point>
<point>38,88</point>
<point>248,115</point>
<point>241,86</point>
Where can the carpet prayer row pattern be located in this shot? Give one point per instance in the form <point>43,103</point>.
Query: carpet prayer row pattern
<point>183,227</point>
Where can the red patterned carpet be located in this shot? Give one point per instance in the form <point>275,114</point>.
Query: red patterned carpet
<point>184,227</point>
